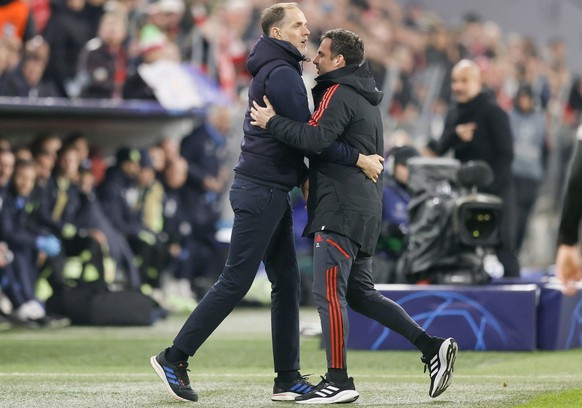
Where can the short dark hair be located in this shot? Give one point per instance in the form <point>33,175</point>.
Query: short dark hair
<point>346,43</point>
<point>271,16</point>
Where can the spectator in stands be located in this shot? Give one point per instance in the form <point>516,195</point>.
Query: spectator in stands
<point>26,80</point>
<point>91,216</point>
<point>22,152</point>
<point>120,195</point>
<point>44,150</point>
<point>59,213</point>
<point>80,143</point>
<point>476,128</point>
<point>529,130</point>
<point>158,158</point>
<point>103,61</point>
<point>51,142</point>
<point>153,47</point>
<point>150,207</point>
<point>66,32</point>
<point>29,243</point>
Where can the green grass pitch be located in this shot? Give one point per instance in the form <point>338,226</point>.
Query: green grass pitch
<point>109,367</point>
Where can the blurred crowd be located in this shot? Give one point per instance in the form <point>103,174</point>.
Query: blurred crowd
<point>140,204</point>
<point>145,221</point>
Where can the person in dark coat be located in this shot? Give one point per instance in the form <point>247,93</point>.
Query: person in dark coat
<point>476,128</point>
<point>26,80</point>
<point>103,60</point>
<point>345,215</point>
<point>30,243</point>
<point>67,33</point>
<point>91,216</point>
<point>123,201</point>
<point>263,227</point>
<point>59,213</point>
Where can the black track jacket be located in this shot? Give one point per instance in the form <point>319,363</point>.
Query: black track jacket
<point>341,198</point>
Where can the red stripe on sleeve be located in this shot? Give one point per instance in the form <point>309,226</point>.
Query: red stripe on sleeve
<point>323,105</point>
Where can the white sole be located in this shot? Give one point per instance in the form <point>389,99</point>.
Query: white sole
<point>343,397</point>
<point>160,372</point>
<point>285,396</point>
<point>447,354</point>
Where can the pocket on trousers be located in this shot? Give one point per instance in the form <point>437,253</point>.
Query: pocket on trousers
<point>249,197</point>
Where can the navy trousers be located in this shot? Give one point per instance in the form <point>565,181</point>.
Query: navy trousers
<point>262,230</point>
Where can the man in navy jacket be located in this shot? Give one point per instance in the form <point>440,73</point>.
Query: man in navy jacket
<point>263,228</point>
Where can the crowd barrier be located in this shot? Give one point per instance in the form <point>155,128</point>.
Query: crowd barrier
<point>522,317</point>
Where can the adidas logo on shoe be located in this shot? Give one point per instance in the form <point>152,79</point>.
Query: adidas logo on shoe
<point>327,392</point>
<point>441,367</point>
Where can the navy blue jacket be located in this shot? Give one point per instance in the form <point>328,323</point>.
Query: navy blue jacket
<point>276,69</point>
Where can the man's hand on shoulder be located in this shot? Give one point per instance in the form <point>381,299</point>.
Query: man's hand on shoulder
<point>261,115</point>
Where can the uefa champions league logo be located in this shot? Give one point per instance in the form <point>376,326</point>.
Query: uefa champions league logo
<point>477,319</point>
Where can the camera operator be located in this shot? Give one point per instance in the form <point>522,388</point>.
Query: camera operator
<point>476,128</point>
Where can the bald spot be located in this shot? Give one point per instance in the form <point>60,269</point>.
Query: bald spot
<point>468,68</point>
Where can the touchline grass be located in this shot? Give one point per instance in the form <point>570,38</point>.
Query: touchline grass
<point>109,367</point>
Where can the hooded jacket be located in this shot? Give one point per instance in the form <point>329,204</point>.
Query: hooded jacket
<point>341,198</point>
<point>276,69</point>
<point>264,159</point>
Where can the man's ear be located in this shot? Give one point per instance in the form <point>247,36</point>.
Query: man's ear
<point>276,32</point>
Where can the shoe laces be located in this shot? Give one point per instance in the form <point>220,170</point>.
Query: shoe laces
<point>181,370</point>
<point>322,384</point>
<point>303,379</point>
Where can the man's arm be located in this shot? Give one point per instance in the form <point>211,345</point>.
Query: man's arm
<point>447,139</point>
<point>568,263</point>
<point>330,149</point>
<point>324,127</point>
<point>346,155</point>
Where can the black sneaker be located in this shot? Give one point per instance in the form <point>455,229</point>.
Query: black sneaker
<point>440,366</point>
<point>327,392</point>
<point>174,377</point>
<point>288,391</point>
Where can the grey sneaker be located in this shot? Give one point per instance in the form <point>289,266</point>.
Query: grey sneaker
<point>174,377</point>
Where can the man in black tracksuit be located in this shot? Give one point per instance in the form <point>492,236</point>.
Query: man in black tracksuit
<point>263,228</point>
<point>345,215</point>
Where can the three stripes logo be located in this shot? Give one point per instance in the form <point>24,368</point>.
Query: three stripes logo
<point>328,391</point>
<point>300,388</point>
